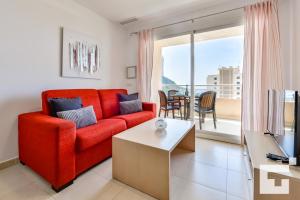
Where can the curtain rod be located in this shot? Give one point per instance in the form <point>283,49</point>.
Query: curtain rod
<point>192,20</point>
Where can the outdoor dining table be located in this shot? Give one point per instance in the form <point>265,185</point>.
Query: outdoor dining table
<point>186,104</point>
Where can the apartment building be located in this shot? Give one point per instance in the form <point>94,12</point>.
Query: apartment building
<point>227,82</point>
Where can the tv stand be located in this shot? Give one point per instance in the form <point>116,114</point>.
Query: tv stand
<point>257,145</point>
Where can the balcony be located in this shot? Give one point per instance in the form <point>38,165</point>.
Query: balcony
<point>228,110</point>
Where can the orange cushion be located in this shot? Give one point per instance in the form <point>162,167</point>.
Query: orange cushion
<point>95,134</point>
<point>135,119</point>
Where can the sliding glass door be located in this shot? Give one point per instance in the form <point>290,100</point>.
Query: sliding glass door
<point>197,64</point>
<point>218,82</point>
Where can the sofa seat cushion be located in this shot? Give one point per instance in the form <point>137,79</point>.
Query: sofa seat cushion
<point>95,134</point>
<point>135,119</point>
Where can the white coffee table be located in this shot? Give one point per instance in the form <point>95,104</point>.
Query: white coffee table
<point>141,155</point>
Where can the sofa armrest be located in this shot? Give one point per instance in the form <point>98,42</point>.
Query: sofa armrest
<point>150,107</point>
<point>47,145</point>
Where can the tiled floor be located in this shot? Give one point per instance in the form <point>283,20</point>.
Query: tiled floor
<point>224,126</point>
<point>214,172</point>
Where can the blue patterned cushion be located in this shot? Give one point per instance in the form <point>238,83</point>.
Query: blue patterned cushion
<point>82,117</point>
<point>128,107</point>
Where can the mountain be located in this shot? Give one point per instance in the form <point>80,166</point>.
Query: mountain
<point>167,81</point>
<point>169,84</point>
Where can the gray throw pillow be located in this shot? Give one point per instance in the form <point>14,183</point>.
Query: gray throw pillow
<point>64,104</point>
<point>130,97</point>
<point>82,117</point>
<point>128,107</point>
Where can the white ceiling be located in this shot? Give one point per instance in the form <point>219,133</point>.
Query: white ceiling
<point>122,10</point>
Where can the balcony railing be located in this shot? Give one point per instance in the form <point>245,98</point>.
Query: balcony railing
<point>228,91</point>
<point>228,101</point>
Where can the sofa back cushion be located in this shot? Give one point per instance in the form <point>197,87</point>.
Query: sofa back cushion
<point>89,97</point>
<point>110,102</point>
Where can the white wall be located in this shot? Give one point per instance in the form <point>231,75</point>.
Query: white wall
<point>131,59</point>
<point>285,28</point>
<point>289,19</point>
<point>295,20</point>
<point>30,61</point>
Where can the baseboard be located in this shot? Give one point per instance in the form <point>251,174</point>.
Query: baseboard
<point>9,163</point>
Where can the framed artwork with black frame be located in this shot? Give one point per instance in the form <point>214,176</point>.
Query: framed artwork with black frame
<point>131,72</point>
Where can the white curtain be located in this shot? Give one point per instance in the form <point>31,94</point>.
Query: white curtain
<point>156,82</point>
<point>145,64</point>
<point>276,112</point>
<point>262,63</point>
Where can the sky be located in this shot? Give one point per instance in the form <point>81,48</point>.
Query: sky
<point>209,56</point>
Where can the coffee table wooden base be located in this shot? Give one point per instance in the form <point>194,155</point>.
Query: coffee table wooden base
<point>144,167</point>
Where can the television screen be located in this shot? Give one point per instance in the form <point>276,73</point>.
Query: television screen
<point>281,119</point>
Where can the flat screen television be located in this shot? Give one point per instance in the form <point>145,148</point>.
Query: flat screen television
<point>283,121</point>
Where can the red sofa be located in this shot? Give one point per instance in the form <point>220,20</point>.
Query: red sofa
<point>53,147</point>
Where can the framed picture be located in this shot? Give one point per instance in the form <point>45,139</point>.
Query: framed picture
<point>131,72</point>
<point>80,56</point>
